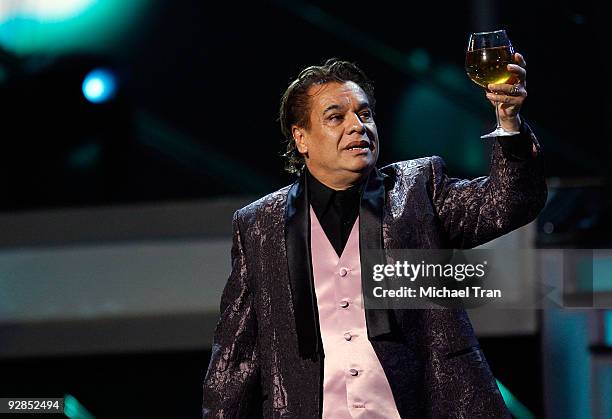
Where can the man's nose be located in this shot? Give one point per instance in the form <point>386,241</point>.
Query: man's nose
<point>356,125</point>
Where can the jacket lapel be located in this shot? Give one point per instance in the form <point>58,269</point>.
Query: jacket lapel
<point>299,260</point>
<point>297,239</point>
<point>372,252</point>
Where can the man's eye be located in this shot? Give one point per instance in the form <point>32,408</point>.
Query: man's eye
<point>335,117</point>
<point>366,115</point>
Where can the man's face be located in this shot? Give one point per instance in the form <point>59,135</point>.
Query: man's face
<point>341,145</point>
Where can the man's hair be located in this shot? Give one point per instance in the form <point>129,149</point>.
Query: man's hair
<point>295,103</point>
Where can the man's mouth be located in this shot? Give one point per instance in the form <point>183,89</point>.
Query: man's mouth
<point>359,146</point>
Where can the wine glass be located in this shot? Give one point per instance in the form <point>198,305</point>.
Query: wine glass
<point>486,61</point>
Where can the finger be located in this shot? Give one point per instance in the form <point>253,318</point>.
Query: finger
<point>508,89</point>
<point>508,100</point>
<point>518,58</point>
<point>520,72</point>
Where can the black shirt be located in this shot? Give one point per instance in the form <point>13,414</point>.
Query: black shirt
<point>335,210</point>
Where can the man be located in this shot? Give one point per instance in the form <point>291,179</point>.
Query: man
<point>294,339</point>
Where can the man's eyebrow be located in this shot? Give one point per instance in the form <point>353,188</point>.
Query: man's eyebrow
<point>362,105</point>
<point>331,108</point>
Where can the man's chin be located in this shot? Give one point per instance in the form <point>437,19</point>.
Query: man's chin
<point>362,167</point>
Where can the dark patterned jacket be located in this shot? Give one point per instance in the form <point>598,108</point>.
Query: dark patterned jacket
<point>267,356</point>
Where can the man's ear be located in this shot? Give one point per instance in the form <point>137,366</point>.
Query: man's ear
<point>300,139</point>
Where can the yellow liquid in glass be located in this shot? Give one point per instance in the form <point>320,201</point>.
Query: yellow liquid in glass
<point>489,65</point>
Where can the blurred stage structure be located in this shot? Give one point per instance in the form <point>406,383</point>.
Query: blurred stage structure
<point>577,342</point>
<point>139,278</point>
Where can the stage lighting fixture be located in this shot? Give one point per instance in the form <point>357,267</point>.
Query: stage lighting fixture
<point>99,85</point>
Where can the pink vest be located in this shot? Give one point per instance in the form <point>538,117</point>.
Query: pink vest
<point>354,383</point>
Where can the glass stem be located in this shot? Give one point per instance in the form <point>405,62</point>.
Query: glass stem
<point>497,105</point>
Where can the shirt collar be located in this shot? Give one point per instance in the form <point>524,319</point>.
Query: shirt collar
<point>321,196</point>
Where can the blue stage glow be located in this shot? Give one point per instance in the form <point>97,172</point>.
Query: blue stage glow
<point>99,85</point>
<point>608,327</point>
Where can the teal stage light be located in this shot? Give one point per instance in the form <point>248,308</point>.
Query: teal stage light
<point>99,85</point>
<point>608,327</point>
<point>55,27</point>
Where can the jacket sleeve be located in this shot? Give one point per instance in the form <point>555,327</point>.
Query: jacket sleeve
<point>476,211</point>
<point>232,381</point>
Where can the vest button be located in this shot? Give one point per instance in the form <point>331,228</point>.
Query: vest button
<point>347,336</point>
<point>344,304</point>
<point>343,271</point>
<point>353,372</point>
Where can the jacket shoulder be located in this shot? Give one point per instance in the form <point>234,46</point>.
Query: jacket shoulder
<point>415,167</point>
<point>272,204</point>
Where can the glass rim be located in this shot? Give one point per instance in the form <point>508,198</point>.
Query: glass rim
<point>488,32</point>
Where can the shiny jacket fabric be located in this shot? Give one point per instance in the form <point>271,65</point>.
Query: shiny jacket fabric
<point>267,353</point>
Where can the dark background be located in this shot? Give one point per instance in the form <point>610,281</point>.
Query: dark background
<point>195,117</point>
<point>210,77</point>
